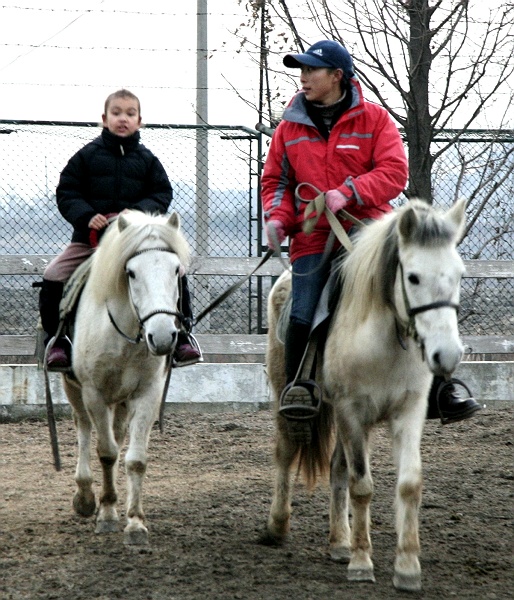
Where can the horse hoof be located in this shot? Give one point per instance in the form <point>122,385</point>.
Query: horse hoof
<point>362,574</point>
<point>340,554</point>
<point>407,583</point>
<point>84,504</point>
<point>107,527</point>
<point>269,539</point>
<point>135,537</point>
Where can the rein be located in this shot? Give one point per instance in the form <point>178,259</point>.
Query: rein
<point>230,290</point>
<point>317,207</point>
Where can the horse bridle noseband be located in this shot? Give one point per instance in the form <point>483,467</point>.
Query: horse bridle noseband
<point>410,328</point>
<point>141,320</point>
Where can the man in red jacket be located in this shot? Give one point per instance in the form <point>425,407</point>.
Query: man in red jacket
<point>334,140</point>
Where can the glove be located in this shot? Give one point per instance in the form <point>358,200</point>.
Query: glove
<point>335,200</point>
<point>276,233</point>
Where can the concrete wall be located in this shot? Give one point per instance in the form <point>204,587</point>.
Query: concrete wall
<point>222,386</point>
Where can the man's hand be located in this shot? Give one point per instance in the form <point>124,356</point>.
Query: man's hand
<point>335,200</point>
<point>276,234</point>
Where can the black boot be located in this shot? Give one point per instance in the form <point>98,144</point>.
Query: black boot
<point>187,350</point>
<point>446,403</point>
<point>49,300</point>
<point>300,399</point>
<point>297,337</point>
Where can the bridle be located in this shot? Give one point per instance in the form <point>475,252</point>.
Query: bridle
<point>141,320</point>
<point>409,330</point>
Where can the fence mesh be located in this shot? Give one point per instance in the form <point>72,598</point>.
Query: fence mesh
<point>214,172</point>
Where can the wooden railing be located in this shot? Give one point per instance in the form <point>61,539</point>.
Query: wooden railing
<point>237,347</point>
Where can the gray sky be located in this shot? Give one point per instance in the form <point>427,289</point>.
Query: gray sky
<point>60,59</point>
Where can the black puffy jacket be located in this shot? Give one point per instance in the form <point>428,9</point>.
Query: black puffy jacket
<point>107,175</point>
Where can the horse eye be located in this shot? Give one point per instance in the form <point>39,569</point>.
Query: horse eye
<point>414,279</point>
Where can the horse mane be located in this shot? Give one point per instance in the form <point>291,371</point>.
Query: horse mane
<point>369,271</point>
<point>117,246</point>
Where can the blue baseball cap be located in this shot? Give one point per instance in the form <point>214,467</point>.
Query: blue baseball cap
<point>326,53</point>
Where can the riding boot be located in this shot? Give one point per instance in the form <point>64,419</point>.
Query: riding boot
<point>450,401</point>
<point>297,337</point>
<point>49,300</point>
<point>187,350</point>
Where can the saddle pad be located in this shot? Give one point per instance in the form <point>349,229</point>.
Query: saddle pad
<point>328,299</point>
<point>73,288</point>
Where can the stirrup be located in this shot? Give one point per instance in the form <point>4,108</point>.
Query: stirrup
<point>49,346</point>
<point>300,400</point>
<point>464,414</point>
<point>193,342</point>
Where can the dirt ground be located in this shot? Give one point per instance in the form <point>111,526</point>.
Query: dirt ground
<point>207,496</point>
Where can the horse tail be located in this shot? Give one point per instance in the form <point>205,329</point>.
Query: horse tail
<point>314,457</point>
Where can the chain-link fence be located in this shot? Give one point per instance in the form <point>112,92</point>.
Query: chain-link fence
<point>215,172</point>
<point>480,167</point>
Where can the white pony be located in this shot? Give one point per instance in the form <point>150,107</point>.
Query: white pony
<point>394,327</point>
<point>130,297</point>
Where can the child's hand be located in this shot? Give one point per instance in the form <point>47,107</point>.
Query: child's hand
<point>98,222</point>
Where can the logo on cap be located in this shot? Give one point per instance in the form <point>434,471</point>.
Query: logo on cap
<point>318,51</point>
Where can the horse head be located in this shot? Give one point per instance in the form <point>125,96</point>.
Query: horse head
<point>143,258</point>
<point>427,289</point>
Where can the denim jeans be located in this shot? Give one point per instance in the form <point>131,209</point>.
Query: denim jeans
<point>307,284</point>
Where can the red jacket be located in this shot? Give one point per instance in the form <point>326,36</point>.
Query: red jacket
<point>364,158</point>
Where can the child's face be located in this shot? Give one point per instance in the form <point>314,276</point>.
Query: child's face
<point>122,118</point>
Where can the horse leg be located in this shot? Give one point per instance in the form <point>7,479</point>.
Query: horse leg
<point>135,532</point>
<point>406,436</point>
<point>84,502</point>
<point>280,511</point>
<point>360,483</point>
<point>339,539</point>
<point>102,416</point>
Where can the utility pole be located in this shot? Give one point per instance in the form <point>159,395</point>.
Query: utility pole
<point>202,149</point>
<point>202,145</point>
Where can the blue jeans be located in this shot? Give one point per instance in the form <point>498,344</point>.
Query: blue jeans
<point>307,284</point>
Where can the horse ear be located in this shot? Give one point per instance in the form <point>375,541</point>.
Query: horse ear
<point>408,222</point>
<point>122,222</point>
<point>457,215</point>
<point>174,220</point>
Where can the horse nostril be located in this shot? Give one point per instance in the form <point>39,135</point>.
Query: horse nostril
<point>437,358</point>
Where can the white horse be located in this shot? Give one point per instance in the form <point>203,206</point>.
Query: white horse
<point>394,327</point>
<point>130,297</point>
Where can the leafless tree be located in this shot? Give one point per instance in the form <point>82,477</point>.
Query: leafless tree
<point>433,64</point>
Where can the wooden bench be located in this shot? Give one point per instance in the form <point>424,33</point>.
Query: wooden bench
<point>241,348</point>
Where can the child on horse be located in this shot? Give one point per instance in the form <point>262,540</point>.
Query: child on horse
<point>333,140</point>
<point>109,175</point>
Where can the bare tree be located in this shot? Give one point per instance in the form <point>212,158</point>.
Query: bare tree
<point>433,64</point>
